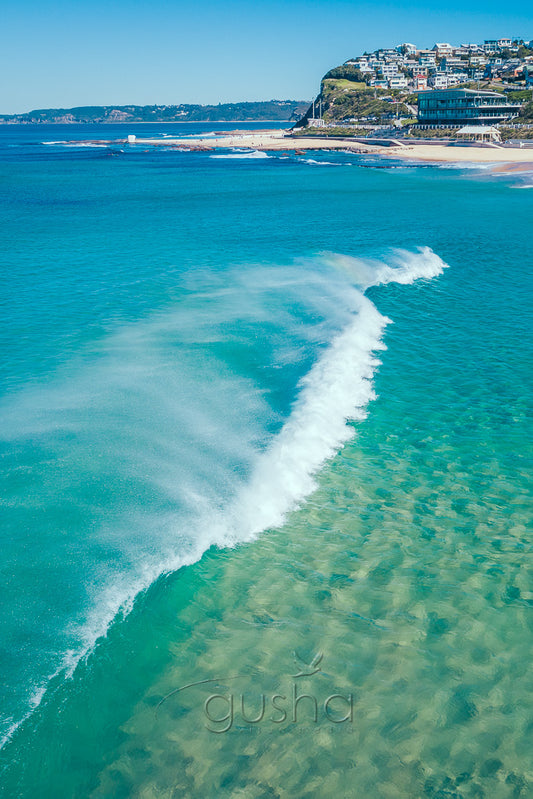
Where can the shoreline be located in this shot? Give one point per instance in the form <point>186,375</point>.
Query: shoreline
<point>430,153</point>
<point>261,140</point>
<point>275,140</point>
<point>279,140</point>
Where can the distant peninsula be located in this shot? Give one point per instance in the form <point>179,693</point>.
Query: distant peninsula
<point>267,110</point>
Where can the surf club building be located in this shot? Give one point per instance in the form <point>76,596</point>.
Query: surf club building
<point>451,107</point>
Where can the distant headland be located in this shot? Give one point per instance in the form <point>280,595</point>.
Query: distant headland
<point>265,110</point>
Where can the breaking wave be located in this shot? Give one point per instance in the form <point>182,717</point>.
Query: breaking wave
<point>250,154</point>
<point>204,469</point>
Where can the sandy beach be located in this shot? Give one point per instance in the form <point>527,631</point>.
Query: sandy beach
<point>455,153</point>
<point>276,140</point>
<point>262,140</point>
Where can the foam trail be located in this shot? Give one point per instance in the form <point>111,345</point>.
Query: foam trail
<point>252,154</point>
<point>402,266</point>
<point>318,163</point>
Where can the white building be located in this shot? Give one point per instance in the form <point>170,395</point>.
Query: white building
<point>450,62</point>
<point>316,123</point>
<point>457,77</point>
<point>443,49</point>
<point>439,81</point>
<point>427,58</point>
<point>361,64</point>
<point>389,70</point>
<point>400,82</point>
<point>479,133</point>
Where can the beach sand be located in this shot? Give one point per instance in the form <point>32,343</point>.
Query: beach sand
<point>262,140</point>
<point>454,154</point>
<point>280,140</point>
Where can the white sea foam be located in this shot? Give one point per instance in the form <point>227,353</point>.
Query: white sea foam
<point>240,154</point>
<point>209,135</point>
<point>332,396</point>
<point>402,266</point>
<point>476,165</point>
<point>336,390</point>
<point>74,144</point>
<point>85,144</point>
<point>318,163</point>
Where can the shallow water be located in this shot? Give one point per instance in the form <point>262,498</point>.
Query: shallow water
<point>192,367</point>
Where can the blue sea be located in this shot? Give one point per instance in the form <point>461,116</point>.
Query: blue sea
<point>266,452</point>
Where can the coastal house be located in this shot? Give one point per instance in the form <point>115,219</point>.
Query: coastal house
<point>443,80</point>
<point>361,64</point>
<point>443,49</point>
<point>407,48</point>
<point>389,70</point>
<point>427,58</point>
<point>451,62</point>
<point>478,60</point>
<point>399,82</point>
<point>439,80</point>
<point>464,106</point>
<point>457,77</point>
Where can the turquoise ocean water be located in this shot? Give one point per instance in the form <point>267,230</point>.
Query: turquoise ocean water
<point>265,431</point>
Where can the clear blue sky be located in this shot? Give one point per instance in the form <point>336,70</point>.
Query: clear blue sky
<point>73,52</point>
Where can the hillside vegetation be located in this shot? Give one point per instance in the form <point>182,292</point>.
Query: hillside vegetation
<point>273,110</point>
<point>348,98</point>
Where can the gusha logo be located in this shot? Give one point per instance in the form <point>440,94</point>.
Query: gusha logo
<point>294,706</point>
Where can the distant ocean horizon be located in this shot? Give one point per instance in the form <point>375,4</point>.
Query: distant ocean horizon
<point>265,426</point>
